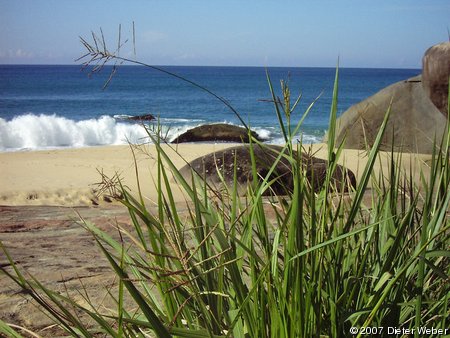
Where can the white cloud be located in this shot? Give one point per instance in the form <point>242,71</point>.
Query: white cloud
<point>22,54</point>
<point>152,36</point>
<point>16,55</point>
<point>185,56</point>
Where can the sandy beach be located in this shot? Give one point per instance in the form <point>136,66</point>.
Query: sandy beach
<point>67,177</point>
<point>42,194</point>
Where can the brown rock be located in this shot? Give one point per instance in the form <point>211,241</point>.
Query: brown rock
<point>46,242</point>
<point>215,132</point>
<point>413,126</point>
<point>224,161</point>
<point>435,73</point>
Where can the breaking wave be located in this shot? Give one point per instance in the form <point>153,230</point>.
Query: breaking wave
<point>37,132</point>
<point>34,132</point>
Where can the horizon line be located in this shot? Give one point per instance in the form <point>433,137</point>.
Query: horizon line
<point>215,66</point>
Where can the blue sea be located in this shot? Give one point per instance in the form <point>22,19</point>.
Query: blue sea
<point>44,107</point>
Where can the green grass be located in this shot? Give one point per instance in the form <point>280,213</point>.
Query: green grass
<point>310,264</point>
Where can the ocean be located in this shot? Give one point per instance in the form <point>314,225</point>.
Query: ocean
<point>53,106</point>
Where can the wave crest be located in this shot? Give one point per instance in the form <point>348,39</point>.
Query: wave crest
<point>36,132</point>
<point>49,131</point>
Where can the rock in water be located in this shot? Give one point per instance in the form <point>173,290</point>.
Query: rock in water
<point>413,126</point>
<point>435,73</point>
<point>146,117</point>
<point>215,132</point>
<point>265,156</point>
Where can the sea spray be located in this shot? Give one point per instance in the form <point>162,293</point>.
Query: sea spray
<point>36,132</point>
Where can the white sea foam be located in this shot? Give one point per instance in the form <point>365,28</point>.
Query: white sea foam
<point>263,133</point>
<point>122,116</point>
<point>50,131</point>
<point>305,138</point>
<point>172,132</point>
<point>175,120</point>
<point>35,132</point>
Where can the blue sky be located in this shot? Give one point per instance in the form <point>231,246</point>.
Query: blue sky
<point>364,33</point>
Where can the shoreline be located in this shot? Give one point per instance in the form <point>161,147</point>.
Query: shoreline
<point>67,177</point>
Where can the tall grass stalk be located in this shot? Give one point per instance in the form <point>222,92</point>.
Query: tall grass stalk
<point>313,263</point>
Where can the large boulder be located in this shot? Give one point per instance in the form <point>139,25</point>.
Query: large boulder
<point>221,132</point>
<point>414,123</point>
<point>435,73</point>
<point>224,161</point>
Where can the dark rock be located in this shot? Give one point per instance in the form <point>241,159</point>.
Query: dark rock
<point>413,126</point>
<point>146,117</point>
<point>215,132</point>
<point>435,73</point>
<point>225,160</point>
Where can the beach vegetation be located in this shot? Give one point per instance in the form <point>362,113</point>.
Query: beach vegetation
<point>314,263</point>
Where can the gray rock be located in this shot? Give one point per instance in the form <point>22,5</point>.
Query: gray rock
<point>215,132</point>
<point>435,73</point>
<point>413,125</point>
<point>145,117</point>
<point>224,162</point>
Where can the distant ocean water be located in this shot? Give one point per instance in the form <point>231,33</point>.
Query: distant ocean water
<point>44,107</point>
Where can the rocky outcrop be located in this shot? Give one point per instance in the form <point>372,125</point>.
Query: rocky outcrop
<point>435,73</point>
<point>47,243</point>
<point>418,110</point>
<point>226,160</point>
<point>414,122</point>
<point>220,132</point>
